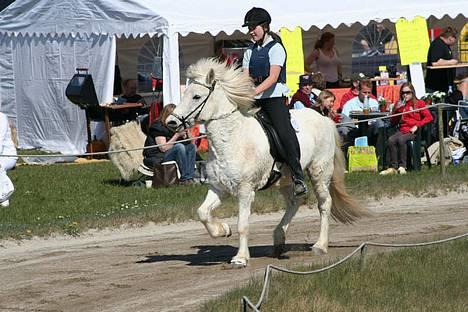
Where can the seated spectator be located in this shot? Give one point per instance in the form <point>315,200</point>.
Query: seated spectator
<point>7,147</point>
<point>408,124</point>
<point>352,92</point>
<point>461,94</point>
<point>183,153</point>
<point>357,104</point>
<point>130,95</point>
<point>325,102</point>
<point>301,99</point>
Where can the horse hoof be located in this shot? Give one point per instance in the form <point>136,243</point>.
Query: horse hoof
<point>227,230</point>
<point>319,251</point>
<point>238,263</point>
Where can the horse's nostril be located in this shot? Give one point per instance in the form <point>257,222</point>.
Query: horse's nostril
<point>172,125</point>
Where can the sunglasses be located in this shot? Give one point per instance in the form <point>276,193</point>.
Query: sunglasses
<point>406,92</point>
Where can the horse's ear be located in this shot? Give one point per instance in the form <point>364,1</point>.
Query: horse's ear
<point>210,77</point>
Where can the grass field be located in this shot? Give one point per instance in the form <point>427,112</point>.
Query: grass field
<point>431,278</point>
<point>70,198</point>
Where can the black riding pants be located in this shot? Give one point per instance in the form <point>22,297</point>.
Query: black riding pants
<point>279,115</point>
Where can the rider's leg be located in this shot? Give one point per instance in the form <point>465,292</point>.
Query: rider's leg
<point>280,118</point>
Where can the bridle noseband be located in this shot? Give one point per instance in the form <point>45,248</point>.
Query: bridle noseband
<point>199,107</point>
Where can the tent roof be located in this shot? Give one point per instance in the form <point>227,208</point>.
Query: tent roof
<point>140,17</point>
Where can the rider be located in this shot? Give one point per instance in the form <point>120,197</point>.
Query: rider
<point>265,62</point>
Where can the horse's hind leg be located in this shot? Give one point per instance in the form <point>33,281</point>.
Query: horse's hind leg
<point>321,178</point>
<point>279,234</point>
<point>212,225</point>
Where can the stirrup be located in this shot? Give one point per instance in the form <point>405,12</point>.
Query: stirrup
<point>300,188</point>
<point>272,179</point>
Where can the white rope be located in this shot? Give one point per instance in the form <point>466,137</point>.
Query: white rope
<point>104,153</point>
<point>266,282</point>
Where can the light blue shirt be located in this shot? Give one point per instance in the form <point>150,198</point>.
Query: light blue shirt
<point>356,105</point>
<point>277,56</point>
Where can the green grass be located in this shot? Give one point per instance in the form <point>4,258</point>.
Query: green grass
<point>65,198</point>
<point>418,279</point>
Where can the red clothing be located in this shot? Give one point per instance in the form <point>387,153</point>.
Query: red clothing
<point>409,120</point>
<point>301,97</point>
<point>346,97</point>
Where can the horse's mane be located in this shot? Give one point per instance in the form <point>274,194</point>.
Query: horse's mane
<point>238,86</point>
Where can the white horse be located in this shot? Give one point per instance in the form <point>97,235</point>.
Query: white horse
<point>239,160</point>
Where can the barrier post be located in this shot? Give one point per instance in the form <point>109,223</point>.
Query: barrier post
<point>363,257</point>
<point>441,140</point>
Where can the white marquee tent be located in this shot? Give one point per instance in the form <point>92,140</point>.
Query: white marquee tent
<point>42,42</point>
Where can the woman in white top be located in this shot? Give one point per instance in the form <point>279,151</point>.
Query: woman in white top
<point>326,59</point>
<point>6,145</point>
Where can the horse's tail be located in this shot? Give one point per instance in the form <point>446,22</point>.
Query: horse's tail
<point>344,208</point>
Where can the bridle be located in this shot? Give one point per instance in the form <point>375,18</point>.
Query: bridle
<point>199,107</point>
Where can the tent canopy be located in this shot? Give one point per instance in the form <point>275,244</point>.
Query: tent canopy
<point>43,41</point>
<point>138,17</point>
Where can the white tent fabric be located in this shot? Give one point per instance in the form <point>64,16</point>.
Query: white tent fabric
<point>49,30</point>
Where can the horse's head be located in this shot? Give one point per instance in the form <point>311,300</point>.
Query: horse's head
<point>215,91</point>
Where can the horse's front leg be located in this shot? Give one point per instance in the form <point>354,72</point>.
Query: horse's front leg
<point>246,197</point>
<point>212,225</point>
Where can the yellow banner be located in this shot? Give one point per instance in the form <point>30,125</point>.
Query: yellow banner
<point>413,40</point>
<point>292,41</point>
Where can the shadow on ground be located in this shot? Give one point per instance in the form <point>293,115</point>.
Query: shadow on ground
<point>218,254</point>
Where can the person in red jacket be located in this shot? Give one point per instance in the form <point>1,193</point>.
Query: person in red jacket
<point>408,123</point>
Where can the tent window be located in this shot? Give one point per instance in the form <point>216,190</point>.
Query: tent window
<point>149,63</point>
<point>374,46</point>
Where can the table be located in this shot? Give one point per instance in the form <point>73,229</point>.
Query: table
<point>113,107</point>
<point>459,65</point>
<point>390,92</point>
<point>382,134</point>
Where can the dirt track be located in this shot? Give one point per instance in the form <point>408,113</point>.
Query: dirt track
<point>178,267</point>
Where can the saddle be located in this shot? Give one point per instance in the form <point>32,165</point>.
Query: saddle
<point>277,149</point>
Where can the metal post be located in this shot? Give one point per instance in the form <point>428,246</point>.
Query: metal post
<point>363,257</point>
<point>441,140</point>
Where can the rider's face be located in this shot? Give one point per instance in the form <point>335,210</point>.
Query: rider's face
<point>256,32</point>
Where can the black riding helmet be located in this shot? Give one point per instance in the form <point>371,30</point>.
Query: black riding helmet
<point>256,16</point>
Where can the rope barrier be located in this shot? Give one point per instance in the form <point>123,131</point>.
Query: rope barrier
<point>246,303</point>
<point>104,153</point>
<point>204,136</point>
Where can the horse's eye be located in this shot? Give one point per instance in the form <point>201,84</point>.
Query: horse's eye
<point>196,97</point>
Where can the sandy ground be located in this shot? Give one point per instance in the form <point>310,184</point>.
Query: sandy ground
<point>178,267</point>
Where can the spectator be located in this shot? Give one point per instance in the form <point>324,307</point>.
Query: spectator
<point>130,95</point>
<point>408,124</point>
<point>325,103</point>
<point>327,60</point>
<point>352,92</point>
<point>7,147</point>
<point>440,54</point>
<point>183,153</point>
<point>357,104</point>
<point>301,99</point>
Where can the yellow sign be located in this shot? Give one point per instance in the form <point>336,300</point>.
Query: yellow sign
<point>292,41</point>
<point>413,40</point>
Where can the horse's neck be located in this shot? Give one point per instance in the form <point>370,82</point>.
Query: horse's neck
<point>225,135</point>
